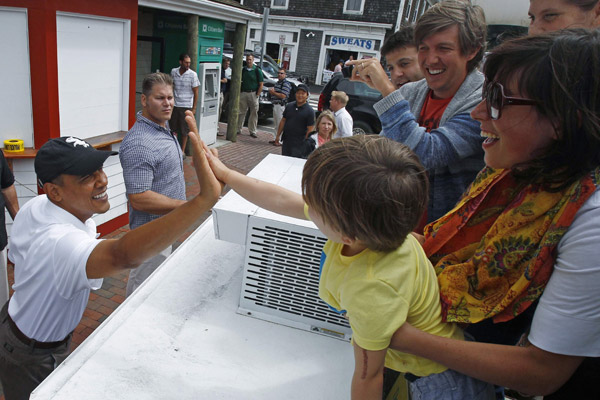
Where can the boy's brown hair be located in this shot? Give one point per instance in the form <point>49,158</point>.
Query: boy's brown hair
<point>367,187</point>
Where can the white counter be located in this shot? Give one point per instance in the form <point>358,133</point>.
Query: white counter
<point>179,337</point>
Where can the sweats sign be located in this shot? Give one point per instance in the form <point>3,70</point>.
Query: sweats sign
<point>349,41</point>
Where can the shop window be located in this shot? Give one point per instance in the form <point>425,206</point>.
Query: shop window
<point>279,4</point>
<point>353,6</point>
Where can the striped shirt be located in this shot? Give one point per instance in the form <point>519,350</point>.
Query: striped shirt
<point>282,86</point>
<point>182,87</point>
<point>152,160</point>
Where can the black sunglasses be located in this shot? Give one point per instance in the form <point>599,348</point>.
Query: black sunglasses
<point>495,100</point>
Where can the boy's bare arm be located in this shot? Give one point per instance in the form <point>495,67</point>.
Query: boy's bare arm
<point>367,381</point>
<point>266,195</point>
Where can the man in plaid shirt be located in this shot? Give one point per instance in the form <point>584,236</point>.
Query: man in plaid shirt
<point>152,166</point>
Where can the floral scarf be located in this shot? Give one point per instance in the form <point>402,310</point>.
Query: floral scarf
<point>495,251</point>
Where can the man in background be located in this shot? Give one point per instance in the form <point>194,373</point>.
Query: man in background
<point>225,81</point>
<point>432,116</point>
<point>297,122</point>
<point>152,167</point>
<point>185,88</point>
<point>400,52</point>
<point>343,119</point>
<point>279,97</point>
<point>252,85</point>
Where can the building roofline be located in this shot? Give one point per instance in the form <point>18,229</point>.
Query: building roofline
<point>206,8</point>
<point>332,22</point>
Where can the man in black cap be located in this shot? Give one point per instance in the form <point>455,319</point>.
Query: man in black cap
<point>297,123</point>
<point>58,258</point>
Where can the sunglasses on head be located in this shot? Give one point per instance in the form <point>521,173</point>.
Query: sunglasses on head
<point>495,100</point>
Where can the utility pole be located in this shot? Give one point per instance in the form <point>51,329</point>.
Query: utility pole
<point>239,41</point>
<point>192,40</point>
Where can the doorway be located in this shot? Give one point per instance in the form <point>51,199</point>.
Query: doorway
<point>273,52</point>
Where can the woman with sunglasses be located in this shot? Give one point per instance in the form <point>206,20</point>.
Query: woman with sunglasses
<point>552,15</point>
<point>529,224</point>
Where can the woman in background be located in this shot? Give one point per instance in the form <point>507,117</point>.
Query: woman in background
<point>326,128</point>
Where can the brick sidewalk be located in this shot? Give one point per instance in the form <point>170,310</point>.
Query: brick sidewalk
<point>242,156</point>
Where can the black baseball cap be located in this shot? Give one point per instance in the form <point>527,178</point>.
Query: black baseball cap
<point>304,87</point>
<point>68,155</point>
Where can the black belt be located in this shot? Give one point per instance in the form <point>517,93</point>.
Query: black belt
<point>410,377</point>
<point>32,342</point>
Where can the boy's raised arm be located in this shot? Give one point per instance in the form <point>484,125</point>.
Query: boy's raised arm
<point>367,381</point>
<point>266,195</point>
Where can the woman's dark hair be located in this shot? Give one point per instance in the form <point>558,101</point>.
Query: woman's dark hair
<point>561,71</point>
<point>585,5</point>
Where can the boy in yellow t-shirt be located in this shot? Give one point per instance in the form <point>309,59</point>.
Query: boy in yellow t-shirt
<point>366,194</point>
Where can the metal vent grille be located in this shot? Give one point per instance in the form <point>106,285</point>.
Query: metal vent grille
<point>281,276</point>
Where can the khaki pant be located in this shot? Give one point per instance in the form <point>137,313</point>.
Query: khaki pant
<point>248,101</point>
<point>277,116</point>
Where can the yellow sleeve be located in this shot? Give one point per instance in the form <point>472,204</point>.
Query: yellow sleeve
<point>306,211</point>
<point>375,310</point>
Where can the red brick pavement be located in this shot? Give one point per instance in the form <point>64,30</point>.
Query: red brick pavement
<point>242,156</point>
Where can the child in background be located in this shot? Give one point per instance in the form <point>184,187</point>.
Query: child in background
<point>366,194</point>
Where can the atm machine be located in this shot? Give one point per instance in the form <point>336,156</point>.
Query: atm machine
<point>207,110</point>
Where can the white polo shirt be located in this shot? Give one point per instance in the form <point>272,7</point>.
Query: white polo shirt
<point>50,247</point>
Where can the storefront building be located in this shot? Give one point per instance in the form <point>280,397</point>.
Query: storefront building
<point>311,47</point>
<point>75,67</point>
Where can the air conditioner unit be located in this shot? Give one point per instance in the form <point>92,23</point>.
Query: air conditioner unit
<point>282,258</point>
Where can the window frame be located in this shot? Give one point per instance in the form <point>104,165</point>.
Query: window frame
<point>277,7</point>
<point>355,12</point>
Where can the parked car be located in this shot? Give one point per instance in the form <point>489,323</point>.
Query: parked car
<point>269,70</point>
<point>360,103</point>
